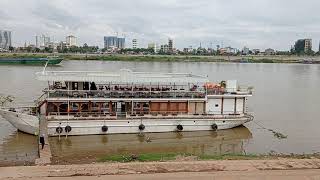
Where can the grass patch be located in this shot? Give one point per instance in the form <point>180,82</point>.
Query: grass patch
<point>158,157</point>
<point>229,157</point>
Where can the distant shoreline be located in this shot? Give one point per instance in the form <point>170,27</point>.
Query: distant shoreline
<point>175,58</point>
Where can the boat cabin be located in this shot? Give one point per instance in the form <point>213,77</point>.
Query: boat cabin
<point>134,95</point>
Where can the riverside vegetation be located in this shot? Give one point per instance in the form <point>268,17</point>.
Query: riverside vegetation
<point>159,157</point>
<point>166,58</point>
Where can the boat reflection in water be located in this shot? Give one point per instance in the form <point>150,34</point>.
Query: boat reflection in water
<point>19,149</point>
<point>86,149</point>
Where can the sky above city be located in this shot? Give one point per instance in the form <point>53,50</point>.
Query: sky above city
<point>252,23</point>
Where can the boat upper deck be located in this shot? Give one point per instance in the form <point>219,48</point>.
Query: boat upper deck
<point>123,77</point>
<point>135,85</point>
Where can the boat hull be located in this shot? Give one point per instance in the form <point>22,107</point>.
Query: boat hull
<point>94,127</point>
<point>23,122</point>
<point>31,61</point>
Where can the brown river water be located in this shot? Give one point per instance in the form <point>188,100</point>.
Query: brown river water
<point>286,100</point>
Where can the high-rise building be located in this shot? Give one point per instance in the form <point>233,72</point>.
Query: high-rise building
<point>308,45</point>
<point>71,41</point>
<point>303,45</point>
<point>42,41</point>
<point>5,39</point>
<point>134,43</point>
<point>111,42</point>
<point>170,45</point>
<point>121,43</point>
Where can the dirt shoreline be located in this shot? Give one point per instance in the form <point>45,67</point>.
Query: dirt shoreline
<point>100,169</point>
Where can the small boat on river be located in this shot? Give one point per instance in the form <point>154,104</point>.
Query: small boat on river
<point>24,119</point>
<point>52,60</point>
<point>93,103</point>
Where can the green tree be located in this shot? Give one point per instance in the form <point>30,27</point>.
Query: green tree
<point>28,49</point>
<point>11,49</point>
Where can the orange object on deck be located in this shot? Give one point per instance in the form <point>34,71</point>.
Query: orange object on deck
<point>211,85</point>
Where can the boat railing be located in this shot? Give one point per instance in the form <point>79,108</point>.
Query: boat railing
<point>124,94</point>
<point>177,115</point>
<point>31,110</point>
<point>41,99</point>
<point>222,91</point>
<point>84,114</point>
<point>139,115</point>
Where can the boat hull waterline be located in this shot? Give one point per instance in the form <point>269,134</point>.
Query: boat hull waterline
<point>31,61</point>
<point>95,127</point>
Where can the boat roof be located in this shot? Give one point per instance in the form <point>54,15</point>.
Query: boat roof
<point>122,77</point>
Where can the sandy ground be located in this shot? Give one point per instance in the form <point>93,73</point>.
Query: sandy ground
<point>221,175</point>
<point>207,169</point>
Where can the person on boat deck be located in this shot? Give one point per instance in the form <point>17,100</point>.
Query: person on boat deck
<point>42,142</point>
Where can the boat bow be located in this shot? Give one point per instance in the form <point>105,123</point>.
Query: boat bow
<point>22,121</point>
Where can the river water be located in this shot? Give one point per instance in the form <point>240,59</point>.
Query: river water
<point>286,100</point>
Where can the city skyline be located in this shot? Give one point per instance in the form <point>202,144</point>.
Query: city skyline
<point>270,24</point>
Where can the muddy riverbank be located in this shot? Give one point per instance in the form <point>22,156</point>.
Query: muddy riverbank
<point>156,167</point>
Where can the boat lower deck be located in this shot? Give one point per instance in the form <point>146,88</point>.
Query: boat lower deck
<point>94,116</point>
<point>93,126</point>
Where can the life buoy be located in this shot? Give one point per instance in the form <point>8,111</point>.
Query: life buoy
<point>59,130</point>
<point>180,127</point>
<point>104,128</point>
<point>214,126</point>
<point>141,127</point>
<point>68,128</point>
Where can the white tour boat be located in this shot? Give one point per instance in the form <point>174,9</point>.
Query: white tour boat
<point>85,103</point>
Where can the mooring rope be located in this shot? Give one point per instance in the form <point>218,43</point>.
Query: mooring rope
<point>275,133</point>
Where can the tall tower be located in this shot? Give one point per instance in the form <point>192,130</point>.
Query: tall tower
<point>37,41</point>
<point>5,39</point>
<point>170,44</point>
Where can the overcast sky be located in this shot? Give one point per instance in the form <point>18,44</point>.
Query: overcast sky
<point>252,23</point>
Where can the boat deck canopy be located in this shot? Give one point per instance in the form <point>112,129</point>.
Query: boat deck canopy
<point>124,76</point>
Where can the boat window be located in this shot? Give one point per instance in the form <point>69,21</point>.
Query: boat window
<point>74,86</point>
<point>86,86</point>
<point>74,106</point>
<point>93,86</point>
<point>217,105</point>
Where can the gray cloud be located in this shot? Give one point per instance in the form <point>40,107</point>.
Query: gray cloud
<point>252,23</point>
<point>54,17</point>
